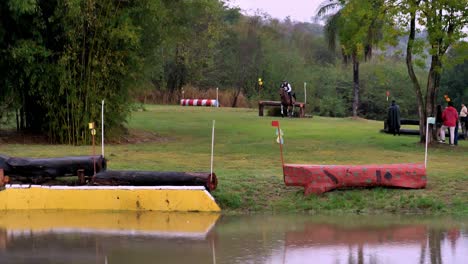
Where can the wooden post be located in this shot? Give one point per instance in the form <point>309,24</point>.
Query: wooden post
<point>301,110</point>
<point>260,108</point>
<point>3,179</point>
<point>81,176</point>
<point>2,182</point>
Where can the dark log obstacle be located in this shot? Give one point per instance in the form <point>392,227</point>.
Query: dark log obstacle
<point>3,163</point>
<point>51,167</point>
<point>403,131</point>
<point>153,178</point>
<point>413,122</point>
<point>39,170</point>
<point>323,178</point>
<point>262,104</point>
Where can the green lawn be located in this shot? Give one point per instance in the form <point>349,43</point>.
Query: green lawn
<point>248,166</point>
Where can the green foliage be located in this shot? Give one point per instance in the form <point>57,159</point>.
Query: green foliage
<point>58,65</point>
<point>443,21</point>
<point>454,82</point>
<point>99,58</point>
<point>332,106</point>
<point>60,58</point>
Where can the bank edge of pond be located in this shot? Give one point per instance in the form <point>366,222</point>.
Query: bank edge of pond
<point>364,201</point>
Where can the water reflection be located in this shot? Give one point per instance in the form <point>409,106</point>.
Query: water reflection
<point>97,237</point>
<point>370,243</point>
<point>90,237</point>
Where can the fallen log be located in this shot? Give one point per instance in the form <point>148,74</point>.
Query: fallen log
<point>3,163</point>
<point>323,178</point>
<point>52,167</point>
<point>156,178</point>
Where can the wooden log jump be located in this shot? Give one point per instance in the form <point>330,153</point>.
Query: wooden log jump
<point>413,122</point>
<point>51,167</point>
<point>262,104</point>
<point>157,178</point>
<point>323,178</point>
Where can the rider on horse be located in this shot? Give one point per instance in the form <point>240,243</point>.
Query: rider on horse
<point>287,88</point>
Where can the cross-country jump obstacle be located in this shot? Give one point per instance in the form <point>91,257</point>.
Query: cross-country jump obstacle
<point>262,104</point>
<point>319,179</point>
<point>199,102</point>
<point>32,183</point>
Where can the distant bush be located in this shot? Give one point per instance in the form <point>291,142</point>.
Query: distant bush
<point>332,106</point>
<point>225,97</point>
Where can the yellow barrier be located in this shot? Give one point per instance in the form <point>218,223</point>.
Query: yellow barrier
<point>110,198</point>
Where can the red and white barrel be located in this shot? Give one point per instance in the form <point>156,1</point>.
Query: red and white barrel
<point>198,102</point>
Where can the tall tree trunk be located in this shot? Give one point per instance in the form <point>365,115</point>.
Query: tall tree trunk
<point>236,96</point>
<point>433,83</point>
<point>17,112</point>
<point>414,79</point>
<point>355,85</point>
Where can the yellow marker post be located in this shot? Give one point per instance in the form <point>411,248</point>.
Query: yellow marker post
<point>260,84</point>
<point>93,133</point>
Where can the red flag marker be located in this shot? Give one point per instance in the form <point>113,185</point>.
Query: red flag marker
<point>275,123</point>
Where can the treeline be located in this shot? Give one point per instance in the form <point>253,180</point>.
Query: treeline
<point>60,58</point>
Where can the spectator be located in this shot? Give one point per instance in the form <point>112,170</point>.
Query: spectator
<point>464,120</point>
<point>438,120</point>
<point>450,119</point>
<point>393,118</point>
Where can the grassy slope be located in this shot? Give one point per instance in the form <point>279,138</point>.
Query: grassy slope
<point>247,160</point>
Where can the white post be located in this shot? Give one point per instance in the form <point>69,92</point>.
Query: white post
<point>305,93</point>
<point>427,136</point>
<point>214,251</point>
<point>183,93</point>
<point>430,120</point>
<point>212,147</point>
<point>217,100</point>
<point>102,128</point>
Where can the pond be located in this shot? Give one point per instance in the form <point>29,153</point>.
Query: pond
<point>99,237</point>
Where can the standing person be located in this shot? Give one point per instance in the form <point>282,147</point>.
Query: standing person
<point>439,121</point>
<point>393,118</point>
<point>464,120</point>
<point>450,119</point>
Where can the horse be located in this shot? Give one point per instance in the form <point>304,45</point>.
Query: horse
<point>287,102</point>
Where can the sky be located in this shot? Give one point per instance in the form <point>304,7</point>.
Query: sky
<point>298,10</point>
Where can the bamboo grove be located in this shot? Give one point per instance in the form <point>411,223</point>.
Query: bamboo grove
<point>60,58</point>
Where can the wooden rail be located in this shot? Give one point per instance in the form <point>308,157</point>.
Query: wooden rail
<point>262,104</point>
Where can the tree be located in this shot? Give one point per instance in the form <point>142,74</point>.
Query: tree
<point>61,57</point>
<point>444,22</point>
<point>356,25</point>
<point>455,75</point>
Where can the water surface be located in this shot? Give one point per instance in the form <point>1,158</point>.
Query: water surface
<point>92,237</point>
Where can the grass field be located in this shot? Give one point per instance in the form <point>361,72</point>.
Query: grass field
<point>248,166</point>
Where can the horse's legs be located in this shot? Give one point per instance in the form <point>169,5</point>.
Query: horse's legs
<point>282,114</point>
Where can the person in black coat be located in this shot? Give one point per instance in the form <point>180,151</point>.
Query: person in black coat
<point>394,118</point>
<point>438,120</point>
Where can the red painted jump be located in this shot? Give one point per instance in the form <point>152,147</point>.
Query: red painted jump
<point>323,178</point>
<point>198,102</point>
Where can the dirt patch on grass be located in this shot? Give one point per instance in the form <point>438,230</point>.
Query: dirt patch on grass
<point>13,137</point>
<point>133,136</point>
